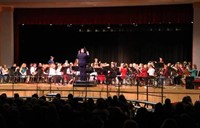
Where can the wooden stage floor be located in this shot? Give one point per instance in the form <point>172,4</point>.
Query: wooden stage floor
<point>175,93</point>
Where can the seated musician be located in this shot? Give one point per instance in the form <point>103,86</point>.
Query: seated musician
<point>142,76</point>
<point>101,71</point>
<point>193,71</point>
<point>23,72</point>
<point>96,63</point>
<point>151,74</point>
<point>64,72</point>
<point>76,71</point>
<point>112,73</point>
<point>70,74</point>
<point>178,73</point>
<point>59,74</point>
<point>124,71</point>
<point>163,75</point>
<point>91,73</point>
<point>50,72</point>
<point>132,72</point>
<point>39,72</point>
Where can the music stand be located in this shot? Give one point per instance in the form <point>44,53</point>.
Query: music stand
<point>75,68</point>
<point>83,83</point>
<point>119,84</point>
<point>98,70</point>
<point>37,81</point>
<point>137,91</point>
<point>51,77</point>
<point>106,68</point>
<point>13,85</point>
<point>159,65</point>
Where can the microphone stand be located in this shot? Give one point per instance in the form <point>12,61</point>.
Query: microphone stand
<point>119,86</point>
<point>147,90</point>
<point>137,91</point>
<point>13,83</point>
<point>87,81</point>
<point>50,83</point>
<point>37,83</point>
<point>107,88</point>
<point>162,93</point>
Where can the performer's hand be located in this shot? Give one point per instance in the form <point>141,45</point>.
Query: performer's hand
<point>87,53</point>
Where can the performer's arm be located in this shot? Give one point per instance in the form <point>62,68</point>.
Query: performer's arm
<point>87,53</point>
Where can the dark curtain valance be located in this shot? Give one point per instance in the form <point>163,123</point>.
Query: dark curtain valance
<point>107,15</point>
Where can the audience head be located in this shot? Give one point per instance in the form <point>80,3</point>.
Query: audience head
<point>167,101</point>
<point>169,123</point>
<point>130,124</point>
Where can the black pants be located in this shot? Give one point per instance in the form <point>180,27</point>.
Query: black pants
<point>177,79</point>
<point>82,70</point>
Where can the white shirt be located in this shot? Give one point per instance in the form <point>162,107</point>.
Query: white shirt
<point>151,71</point>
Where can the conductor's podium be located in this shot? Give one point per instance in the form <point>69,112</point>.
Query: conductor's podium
<point>81,83</point>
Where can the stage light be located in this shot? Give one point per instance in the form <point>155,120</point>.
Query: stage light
<point>168,29</point>
<point>96,30</point>
<point>88,30</point>
<point>177,29</point>
<point>136,25</point>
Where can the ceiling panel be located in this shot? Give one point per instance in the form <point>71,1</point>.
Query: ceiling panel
<point>87,3</point>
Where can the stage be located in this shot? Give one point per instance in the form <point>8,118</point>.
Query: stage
<point>175,93</point>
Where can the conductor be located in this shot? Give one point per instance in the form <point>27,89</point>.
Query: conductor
<point>83,57</point>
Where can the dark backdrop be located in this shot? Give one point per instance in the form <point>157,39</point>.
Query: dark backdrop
<point>132,46</point>
<point>39,42</point>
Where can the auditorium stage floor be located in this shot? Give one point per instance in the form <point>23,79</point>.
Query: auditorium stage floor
<point>130,92</point>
